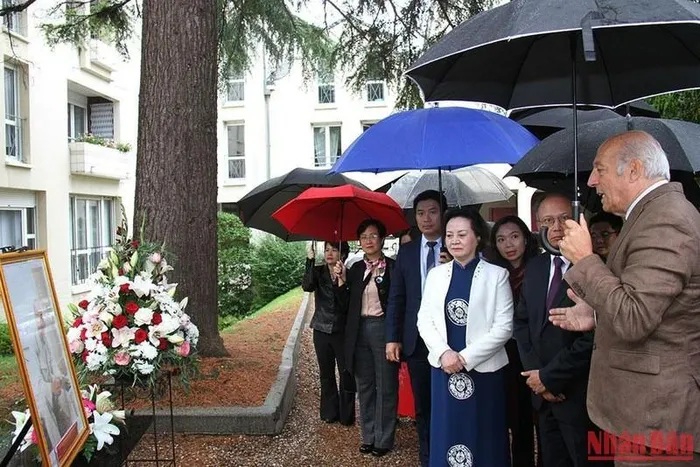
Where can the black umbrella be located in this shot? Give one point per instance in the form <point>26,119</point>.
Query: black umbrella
<point>548,165</point>
<point>255,208</point>
<point>544,123</point>
<point>534,53</point>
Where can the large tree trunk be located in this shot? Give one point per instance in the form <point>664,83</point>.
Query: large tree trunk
<point>176,169</point>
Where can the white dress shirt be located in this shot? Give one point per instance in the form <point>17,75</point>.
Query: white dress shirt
<point>424,257</point>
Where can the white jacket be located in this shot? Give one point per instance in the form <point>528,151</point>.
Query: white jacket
<point>489,321</point>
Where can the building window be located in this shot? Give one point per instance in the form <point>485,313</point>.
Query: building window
<point>92,234</point>
<point>326,88</point>
<point>366,125</point>
<point>18,227</point>
<point>13,122</point>
<point>236,151</point>
<point>77,121</point>
<point>14,22</point>
<point>101,117</point>
<point>235,88</point>
<point>327,145</point>
<point>375,91</point>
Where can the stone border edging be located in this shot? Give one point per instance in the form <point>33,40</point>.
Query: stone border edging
<point>267,419</point>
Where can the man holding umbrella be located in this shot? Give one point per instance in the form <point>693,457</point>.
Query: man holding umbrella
<point>413,262</point>
<point>645,369</point>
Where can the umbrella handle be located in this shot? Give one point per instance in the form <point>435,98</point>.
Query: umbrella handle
<point>549,248</point>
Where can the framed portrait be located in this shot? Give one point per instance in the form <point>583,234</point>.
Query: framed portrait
<point>44,362</point>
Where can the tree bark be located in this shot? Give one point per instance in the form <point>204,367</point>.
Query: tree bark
<point>176,181</point>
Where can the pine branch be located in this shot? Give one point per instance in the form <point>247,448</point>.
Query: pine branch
<point>8,10</point>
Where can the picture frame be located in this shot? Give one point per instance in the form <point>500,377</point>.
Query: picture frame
<point>43,358</point>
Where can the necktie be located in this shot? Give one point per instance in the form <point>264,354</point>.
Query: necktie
<point>430,260</point>
<point>556,282</point>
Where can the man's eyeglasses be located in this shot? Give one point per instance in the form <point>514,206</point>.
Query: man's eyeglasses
<point>368,237</point>
<point>549,221</point>
<point>602,235</point>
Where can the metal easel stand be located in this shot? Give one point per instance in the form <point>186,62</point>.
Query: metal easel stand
<point>140,424</point>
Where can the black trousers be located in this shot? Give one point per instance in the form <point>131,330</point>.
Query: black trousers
<point>419,371</point>
<point>337,398</point>
<point>564,442</point>
<point>519,411</point>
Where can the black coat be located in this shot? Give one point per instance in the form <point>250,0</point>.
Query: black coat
<point>350,299</point>
<point>328,316</point>
<point>563,357</point>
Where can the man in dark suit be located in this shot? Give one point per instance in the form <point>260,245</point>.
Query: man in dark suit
<point>556,361</point>
<point>413,262</point>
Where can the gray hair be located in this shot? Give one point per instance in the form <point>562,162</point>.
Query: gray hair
<point>644,147</point>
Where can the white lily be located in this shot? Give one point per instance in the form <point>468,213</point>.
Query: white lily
<point>142,286</point>
<point>122,337</point>
<point>102,430</point>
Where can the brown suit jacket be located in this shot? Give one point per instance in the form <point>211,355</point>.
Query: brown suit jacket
<point>645,369</point>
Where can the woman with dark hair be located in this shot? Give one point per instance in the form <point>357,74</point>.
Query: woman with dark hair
<point>362,292</point>
<point>512,246</point>
<point>465,319</point>
<point>328,323</point>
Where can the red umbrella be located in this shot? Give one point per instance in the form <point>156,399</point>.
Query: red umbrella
<point>333,213</point>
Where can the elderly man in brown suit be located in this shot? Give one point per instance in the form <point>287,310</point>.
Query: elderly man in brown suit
<point>645,369</point>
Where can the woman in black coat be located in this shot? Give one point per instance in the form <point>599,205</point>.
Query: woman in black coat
<point>363,291</point>
<point>328,323</point>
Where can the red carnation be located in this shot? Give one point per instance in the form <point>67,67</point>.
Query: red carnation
<point>84,356</point>
<point>78,321</point>
<point>135,244</point>
<point>83,304</point>
<point>162,344</point>
<point>106,338</point>
<point>120,321</point>
<point>140,336</point>
<point>131,308</point>
<point>156,319</point>
<point>124,288</point>
<point>83,334</point>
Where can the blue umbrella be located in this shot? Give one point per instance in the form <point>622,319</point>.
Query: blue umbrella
<point>443,138</point>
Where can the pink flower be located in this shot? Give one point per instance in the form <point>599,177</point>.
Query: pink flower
<point>183,349</point>
<point>122,358</point>
<point>76,346</point>
<point>89,406</point>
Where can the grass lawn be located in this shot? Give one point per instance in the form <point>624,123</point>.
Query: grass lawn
<point>8,370</point>
<point>229,324</point>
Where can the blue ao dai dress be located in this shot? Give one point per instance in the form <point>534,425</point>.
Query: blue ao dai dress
<point>468,422</point>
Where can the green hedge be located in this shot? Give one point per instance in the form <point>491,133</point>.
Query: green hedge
<point>5,341</point>
<point>251,275</point>
<point>278,267</point>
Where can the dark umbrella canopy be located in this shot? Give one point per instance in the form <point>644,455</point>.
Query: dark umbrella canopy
<point>549,165</point>
<point>255,208</point>
<point>519,55</point>
<point>544,123</point>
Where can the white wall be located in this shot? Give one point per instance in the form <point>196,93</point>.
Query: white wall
<point>47,177</point>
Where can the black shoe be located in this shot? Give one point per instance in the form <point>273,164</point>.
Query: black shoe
<point>366,448</point>
<point>330,420</point>
<point>379,452</point>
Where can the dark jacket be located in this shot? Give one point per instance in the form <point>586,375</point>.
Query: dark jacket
<point>563,357</point>
<point>328,317</point>
<point>404,298</point>
<point>350,300</point>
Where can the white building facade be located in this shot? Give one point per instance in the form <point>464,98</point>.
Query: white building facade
<point>59,191</point>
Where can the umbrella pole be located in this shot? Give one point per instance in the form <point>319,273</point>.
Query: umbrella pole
<point>442,208</point>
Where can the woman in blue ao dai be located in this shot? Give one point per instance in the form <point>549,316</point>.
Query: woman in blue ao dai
<point>465,319</point>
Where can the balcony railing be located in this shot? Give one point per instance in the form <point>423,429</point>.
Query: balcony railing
<point>100,161</point>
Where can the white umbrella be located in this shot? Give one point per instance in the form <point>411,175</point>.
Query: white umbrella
<point>463,187</point>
